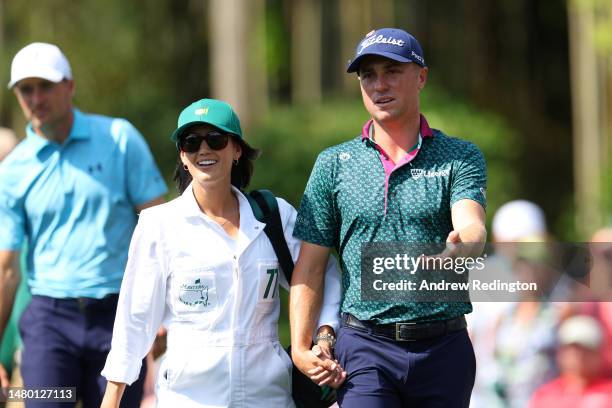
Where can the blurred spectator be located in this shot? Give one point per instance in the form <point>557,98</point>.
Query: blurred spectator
<point>11,343</point>
<point>518,220</point>
<point>599,290</point>
<point>524,350</point>
<point>601,268</point>
<point>71,190</point>
<point>581,383</point>
<point>513,341</point>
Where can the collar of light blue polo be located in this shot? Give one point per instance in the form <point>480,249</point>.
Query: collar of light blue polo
<point>79,131</point>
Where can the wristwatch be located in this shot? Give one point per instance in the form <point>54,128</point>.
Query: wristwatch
<point>328,337</point>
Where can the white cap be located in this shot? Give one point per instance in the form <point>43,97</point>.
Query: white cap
<point>518,220</point>
<point>40,60</point>
<point>582,330</point>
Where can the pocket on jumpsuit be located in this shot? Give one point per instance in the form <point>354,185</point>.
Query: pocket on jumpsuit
<point>199,376</point>
<point>194,372</point>
<point>269,375</point>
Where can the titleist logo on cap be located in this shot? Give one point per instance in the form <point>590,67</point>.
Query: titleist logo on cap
<point>380,39</point>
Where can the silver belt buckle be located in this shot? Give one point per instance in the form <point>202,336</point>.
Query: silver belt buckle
<point>398,329</point>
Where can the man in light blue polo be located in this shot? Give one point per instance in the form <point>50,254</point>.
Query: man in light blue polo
<point>398,181</point>
<point>71,190</point>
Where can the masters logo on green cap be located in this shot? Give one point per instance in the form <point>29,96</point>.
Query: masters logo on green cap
<point>214,112</point>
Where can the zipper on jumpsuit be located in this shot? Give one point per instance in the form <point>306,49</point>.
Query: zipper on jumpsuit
<point>237,393</point>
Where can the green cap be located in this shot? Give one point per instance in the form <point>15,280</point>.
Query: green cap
<point>217,113</point>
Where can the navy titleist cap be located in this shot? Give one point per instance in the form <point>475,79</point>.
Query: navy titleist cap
<point>391,43</point>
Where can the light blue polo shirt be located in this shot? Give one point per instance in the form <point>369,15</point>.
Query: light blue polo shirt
<point>74,203</point>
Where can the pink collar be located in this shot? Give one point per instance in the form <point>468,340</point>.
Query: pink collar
<point>425,129</point>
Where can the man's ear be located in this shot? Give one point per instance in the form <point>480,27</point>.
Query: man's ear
<point>71,86</point>
<point>423,71</point>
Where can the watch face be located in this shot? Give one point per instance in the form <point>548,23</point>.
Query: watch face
<point>327,337</point>
<point>316,350</point>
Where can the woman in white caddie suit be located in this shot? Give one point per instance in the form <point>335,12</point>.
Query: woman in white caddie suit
<point>202,266</point>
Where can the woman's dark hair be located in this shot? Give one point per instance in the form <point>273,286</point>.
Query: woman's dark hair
<point>241,172</point>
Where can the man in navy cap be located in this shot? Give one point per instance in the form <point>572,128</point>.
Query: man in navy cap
<point>399,180</point>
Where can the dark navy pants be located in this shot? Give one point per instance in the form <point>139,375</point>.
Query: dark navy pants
<point>65,343</point>
<point>429,373</point>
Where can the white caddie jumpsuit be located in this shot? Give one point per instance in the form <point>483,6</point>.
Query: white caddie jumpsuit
<point>218,299</point>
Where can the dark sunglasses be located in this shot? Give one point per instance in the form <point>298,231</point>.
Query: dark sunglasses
<point>191,142</point>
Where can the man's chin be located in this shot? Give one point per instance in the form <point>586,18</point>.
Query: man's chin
<point>384,116</point>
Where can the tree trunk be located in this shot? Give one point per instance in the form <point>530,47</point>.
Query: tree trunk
<point>306,51</point>
<point>352,30</point>
<point>228,55</point>
<point>258,89</point>
<point>586,119</point>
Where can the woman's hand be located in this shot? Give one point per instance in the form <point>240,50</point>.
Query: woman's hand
<point>113,394</point>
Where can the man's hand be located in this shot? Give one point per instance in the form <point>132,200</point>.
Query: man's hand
<point>319,365</point>
<point>453,248</point>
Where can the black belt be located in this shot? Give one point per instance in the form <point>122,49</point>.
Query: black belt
<point>406,331</point>
<point>108,302</point>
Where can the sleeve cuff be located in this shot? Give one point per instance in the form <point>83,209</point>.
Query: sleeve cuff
<point>123,370</point>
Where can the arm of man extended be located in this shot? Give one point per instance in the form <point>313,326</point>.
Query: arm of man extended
<point>468,203</point>
<point>468,218</point>
<point>9,281</point>
<point>305,301</point>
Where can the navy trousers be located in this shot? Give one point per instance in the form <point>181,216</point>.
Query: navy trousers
<point>65,343</point>
<point>432,373</point>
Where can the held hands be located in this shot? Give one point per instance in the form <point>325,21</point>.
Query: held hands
<point>318,364</point>
<point>334,376</point>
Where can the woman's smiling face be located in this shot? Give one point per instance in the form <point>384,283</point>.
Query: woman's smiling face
<point>204,164</point>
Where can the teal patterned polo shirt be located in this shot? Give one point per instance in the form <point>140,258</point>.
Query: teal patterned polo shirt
<point>356,194</point>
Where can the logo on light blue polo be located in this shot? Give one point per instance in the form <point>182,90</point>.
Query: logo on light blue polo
<point>192,294</point>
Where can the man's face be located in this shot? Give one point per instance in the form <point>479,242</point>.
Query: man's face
<point>44,103</point>
<point>579,361</point>
<point>390,89</point>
